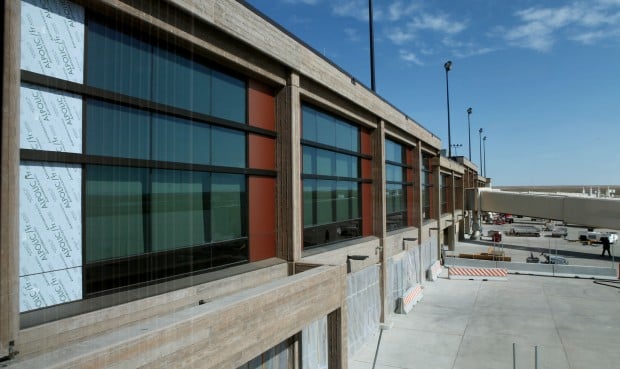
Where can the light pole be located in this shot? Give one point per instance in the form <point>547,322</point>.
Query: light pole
<point>484,150</point>
<point>469,130</point>
<point>456,146</point>
<point>372,47</point>
<point>448,66</point>
<point>480,135</point>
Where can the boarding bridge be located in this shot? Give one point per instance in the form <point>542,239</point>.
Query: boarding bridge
<point>572,209</point>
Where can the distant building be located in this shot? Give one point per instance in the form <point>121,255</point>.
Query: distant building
<point>185,184</point>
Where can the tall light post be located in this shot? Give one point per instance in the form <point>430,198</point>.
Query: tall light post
<point>484,150</point>
<point>447,66</point>
<point>480,135</point>
<point>372,47</point>
<point>469,130</point>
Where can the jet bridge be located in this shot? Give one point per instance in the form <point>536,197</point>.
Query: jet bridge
<point>586,211</point>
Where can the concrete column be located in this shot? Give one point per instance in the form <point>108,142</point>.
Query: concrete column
<point>417,190</point>
<point>288,164</point>
<point>436,206</point>
<point>9,178</point>
<point>337,339</point>
<point>379,210</point>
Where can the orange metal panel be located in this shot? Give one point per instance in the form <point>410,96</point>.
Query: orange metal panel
<point>365,142</point>
<point>366,169</point>
<point>262,218</point>
<point>261,106</point>
<point>262,152</point>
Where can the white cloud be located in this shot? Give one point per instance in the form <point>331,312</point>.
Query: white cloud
<point>409,57</point>
<point>307,2</point>
<point>439,23</point>
<point>540,28</point>
<point>397,10</point>
<point>399,37</point>
<point>357,9</point>
<point>352,34</point>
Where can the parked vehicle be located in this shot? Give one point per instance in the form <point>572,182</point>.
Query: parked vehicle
<point>559,232</point>
<point>549,259</point>
<point>525,231</point>
<point>553,259</point>
<point>597,236</point>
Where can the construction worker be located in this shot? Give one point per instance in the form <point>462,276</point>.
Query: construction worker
<point>606,246</point>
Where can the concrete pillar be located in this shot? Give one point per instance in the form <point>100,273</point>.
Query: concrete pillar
<point>379,210</point>
<point>417,189</point>
<point>9,177</point>
<point>288,164</point>
<point>337,339</point>
<point>436,205</point>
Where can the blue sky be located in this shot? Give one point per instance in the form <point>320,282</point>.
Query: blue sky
<point>542,77</point>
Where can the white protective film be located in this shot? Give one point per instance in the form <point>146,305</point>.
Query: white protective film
<point>52,39</point>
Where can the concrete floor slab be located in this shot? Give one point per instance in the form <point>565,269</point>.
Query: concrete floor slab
<point>473,324</point>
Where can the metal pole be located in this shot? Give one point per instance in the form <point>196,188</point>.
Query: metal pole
<point>514,355</point>
<point>480,136</point>
<point>447,66</point>
<point>372,47</point>
<point>374,362</point>
<point>535,357</point>
<point>484,151</point>
<point>469,110</point>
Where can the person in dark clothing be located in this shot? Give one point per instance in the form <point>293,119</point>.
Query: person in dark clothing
<point>606,247</point>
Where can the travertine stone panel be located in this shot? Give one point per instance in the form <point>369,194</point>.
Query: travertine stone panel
<point>288,164</point>
<point>224,333</point>
<point>65,332</point>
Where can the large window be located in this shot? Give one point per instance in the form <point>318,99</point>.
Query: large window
<point>122,63</point>
<point>331,178</point>
<point>444,181</point>
<point>425,186</point>
<point>163,160</point>
<point>396,185</point>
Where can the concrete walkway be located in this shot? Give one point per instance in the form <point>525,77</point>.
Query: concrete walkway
<point>469,324</point>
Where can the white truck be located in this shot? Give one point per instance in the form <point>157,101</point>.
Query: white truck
<point>597,236</point>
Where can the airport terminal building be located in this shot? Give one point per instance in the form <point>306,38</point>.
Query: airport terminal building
<point>185,184</point>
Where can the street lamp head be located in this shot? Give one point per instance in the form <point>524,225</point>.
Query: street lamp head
<point>448,65</point>
<point>484,138</point>
<point>480,130</point>
<point>469,110</point>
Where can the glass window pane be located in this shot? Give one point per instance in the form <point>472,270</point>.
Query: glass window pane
<point>343,201</point>
<point>344,138</point>
<point>228,196</point>
<point>324,162</point>
<point>114,212</point>
<point>344,165</point>
<point>355,200</point>
<point>180,140</point>
<point>181,82</point>
<point>325,202</point>
<point>309,159</point>
<point>179,213</point>
<point>118,62</point>
<point>227,147</point>
<point>393,151</point>
<point>116,130</point>
<point>309,189</point>
<point>309,123</point>
<point>393,173</point>
<point>228,97</point>
<point>325,129</point>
